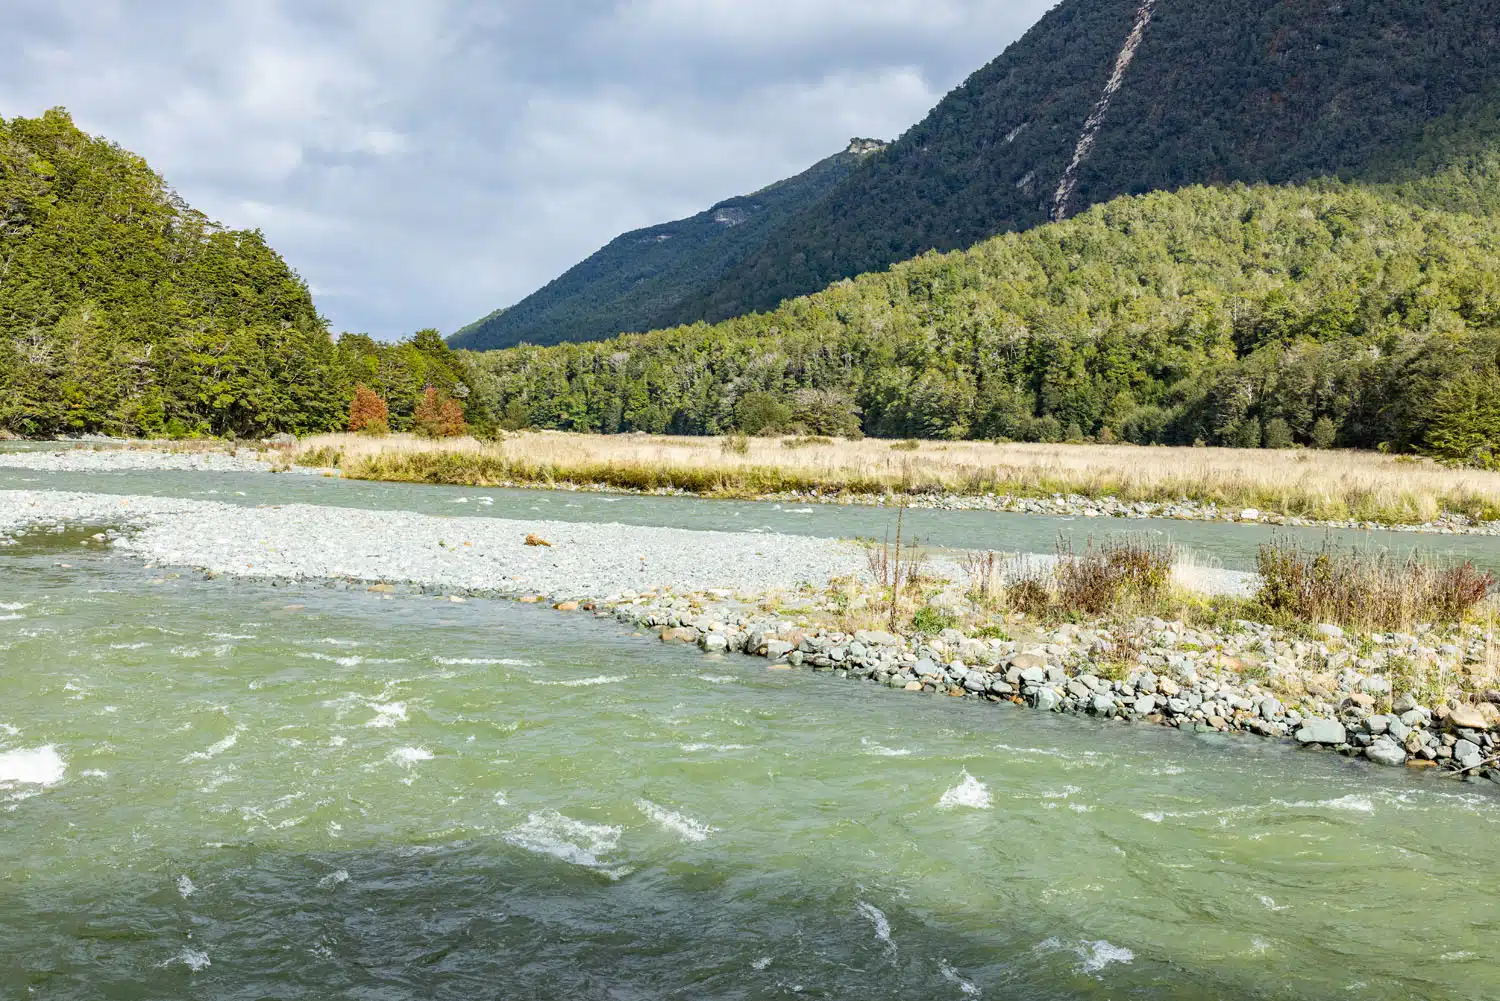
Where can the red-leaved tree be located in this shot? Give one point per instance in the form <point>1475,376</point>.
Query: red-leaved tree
<point>438,416</point>
<point>368,413</point>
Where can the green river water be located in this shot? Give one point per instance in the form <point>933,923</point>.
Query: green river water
<point>220,789</point>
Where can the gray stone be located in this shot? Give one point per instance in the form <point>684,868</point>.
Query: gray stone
<point>1385,751</point>
<point>974,683</point>
<point>1378,724</point>
<point>1028,662</point>
<point>1078,690</point>
<point>1413,717</point>
<point>1103,705</point>
<point>1398,730</point>
<point>875,637</point>
<point>1404,704</point>
<point>1002,688</point>
<point>1330,631</point>
<point>1177,706</point>
<point>1322,731</point>
<point>1145,705</point>
<point>1034,675</point>
<point>1270,707</point>
<point>776,649</point>
<point>1467,754</point>
<point>715,642</point>
<point>1046,699</point>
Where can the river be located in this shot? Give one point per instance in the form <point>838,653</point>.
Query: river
<point>222,789</point>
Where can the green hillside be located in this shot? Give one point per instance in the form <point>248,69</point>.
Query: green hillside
<point>1218,91</point>
<point>641,280</point>
<point>125,312</point>
<point>1247,316</point>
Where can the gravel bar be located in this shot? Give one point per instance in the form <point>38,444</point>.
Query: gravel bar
<point>302,541</point>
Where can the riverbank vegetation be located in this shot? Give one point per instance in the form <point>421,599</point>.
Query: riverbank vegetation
<point>1324,486</point>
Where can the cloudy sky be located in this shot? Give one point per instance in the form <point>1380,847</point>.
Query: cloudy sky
<point>424,162</point>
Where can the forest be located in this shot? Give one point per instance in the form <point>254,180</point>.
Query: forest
<point>125,312</point>
<point>1325,315</point>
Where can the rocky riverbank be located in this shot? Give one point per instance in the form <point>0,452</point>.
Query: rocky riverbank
<point>1425,699</point>
<point>1381,697</point>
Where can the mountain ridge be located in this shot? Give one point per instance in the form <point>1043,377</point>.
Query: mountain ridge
<point>639,280</point>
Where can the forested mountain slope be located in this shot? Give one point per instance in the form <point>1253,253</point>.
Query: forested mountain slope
<point>125,312</point>
<point>641,280</point>
<point>1249,316</point>
<point>1110,97</point>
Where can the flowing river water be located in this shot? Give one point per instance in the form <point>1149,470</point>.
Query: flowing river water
<point>222,789</point>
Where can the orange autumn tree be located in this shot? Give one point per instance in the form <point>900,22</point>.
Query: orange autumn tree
<point>368,413</point>
<point>438,415</point>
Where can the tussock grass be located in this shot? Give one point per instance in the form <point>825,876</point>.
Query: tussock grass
<point>1326,486</point>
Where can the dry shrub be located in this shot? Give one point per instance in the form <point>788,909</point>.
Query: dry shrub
<point>1369,590</point>
<point>736,444</point>
<point>1027,591</point>
<point>983,572</point>
<point>810,441</point>
<point>368,413</point>
<point>897,569</point>
<point>1103,578</point>
<point>438,416</point>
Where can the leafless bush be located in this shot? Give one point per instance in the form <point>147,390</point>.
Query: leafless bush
<point>983,572</point>
<point>1369,590</point>
<point>1103,577</point>
<point>897,568</point>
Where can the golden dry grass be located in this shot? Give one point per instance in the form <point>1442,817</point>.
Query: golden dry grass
<point>1311,484</point>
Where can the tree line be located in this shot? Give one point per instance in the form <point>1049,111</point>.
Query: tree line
<point>123,311</point>
<point>1249,316</point>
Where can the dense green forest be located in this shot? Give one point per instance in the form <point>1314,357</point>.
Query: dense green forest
<point>643,279</point>
<point>1219,91</point>
<point>125,312</point>
<point>1321,314</point>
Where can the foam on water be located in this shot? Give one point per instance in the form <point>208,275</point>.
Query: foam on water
<point>603,679</point>
<point>334,879</point>
<point>128,646</point>
<point>185,887</point>
<point>877,918</point>
<point>680,824</point>
<point>718,679</point>
<point>573,841</point>
<point>409,756</point>
<point>387,714</point>
<point>14,606</point>
<point>761,963</point>
<point>692,748</point>
<point>969,792</point>
<point>35,766</point>
<point>951,975</point>
<point>1097,955</point>
<point>881,751</point>
<point>9,730</point>
<point>195,960</point>
<point>214,750</point>
<point>12,617</point>
<point>481,661</point>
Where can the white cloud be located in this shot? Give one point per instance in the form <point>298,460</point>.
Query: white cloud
<point>421,163</point>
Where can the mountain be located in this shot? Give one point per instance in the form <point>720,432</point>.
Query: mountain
<point>1324,313</point>
<point>1109,97</point>
<point>641,280</point>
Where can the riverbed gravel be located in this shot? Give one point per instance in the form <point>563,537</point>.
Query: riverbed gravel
<point>303,541</point>
<point>118,460</point>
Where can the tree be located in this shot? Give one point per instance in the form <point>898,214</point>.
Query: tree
<point>368,413</point>
<point>438,416</point>
<point>1465,420</point>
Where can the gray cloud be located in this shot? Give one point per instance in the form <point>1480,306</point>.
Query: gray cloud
<point>424,162</point>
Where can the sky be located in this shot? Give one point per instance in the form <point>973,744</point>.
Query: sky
<point>422,163</point>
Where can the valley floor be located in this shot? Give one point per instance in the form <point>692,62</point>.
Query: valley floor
<point>1295,487</point>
